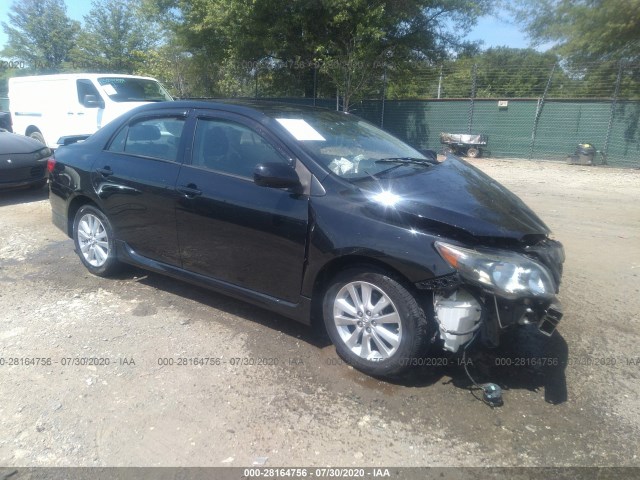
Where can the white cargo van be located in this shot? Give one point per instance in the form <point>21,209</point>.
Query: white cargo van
<point>48,107</point>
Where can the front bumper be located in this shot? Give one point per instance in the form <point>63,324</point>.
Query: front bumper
<point>22,175</point>
<point>463,312</point>
<point>526,311</point>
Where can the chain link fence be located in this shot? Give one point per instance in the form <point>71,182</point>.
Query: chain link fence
<point>538,111</point>
<point>529,108</point>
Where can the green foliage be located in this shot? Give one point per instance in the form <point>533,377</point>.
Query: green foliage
<point>355,49</point>
<point>114,38</point>
<point>585,30</point>
<point>504,72</point>
<point>499,73</point>
<point>40,34</point>
<point>346,43</point>
<point>169,64</point>
<point>597,39</point>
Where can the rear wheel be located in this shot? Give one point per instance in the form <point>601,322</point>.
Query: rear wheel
<point>375,323</point>
<point>93,237</point>
<point>37,136</point>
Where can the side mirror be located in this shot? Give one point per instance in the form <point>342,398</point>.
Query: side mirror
<point>275,175</point>
<point>92,101</point>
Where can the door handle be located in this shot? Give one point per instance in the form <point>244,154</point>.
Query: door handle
<point>189,191</point>
<point>105,172</point>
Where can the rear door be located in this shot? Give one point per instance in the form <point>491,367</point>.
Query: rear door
<point>231,229</point>
<point>135,178</point>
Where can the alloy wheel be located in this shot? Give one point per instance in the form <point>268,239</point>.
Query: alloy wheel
<point>93,240</point>
<point>367,321</point>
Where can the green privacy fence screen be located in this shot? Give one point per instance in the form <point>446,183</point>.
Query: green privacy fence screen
<point>562,125</point>
<point>613,128</point>
<point>511,128</point>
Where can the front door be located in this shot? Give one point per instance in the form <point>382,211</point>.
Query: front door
<point>231,229</point>
<point>85,120</point>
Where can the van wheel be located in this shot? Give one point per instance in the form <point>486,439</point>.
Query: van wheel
<point>38,136</point>
<point>375,323</point>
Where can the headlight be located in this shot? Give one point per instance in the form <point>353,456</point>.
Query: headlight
<point>42,154</point>
<point>510,275</point>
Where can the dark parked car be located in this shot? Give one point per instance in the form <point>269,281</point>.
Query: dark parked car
<point>23,161</point>
<point>5,121</point>
<point>312,214</point>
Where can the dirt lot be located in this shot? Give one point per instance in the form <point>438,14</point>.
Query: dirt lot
<point>298,405</point>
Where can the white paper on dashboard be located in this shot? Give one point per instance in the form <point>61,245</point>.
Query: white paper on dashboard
<point>300,129</point>
<point>109,90</point>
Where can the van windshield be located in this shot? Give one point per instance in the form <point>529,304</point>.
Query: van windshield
<point>124,89</point>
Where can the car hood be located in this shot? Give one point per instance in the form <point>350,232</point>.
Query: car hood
<point>459,195</point>
<point>14,143</point>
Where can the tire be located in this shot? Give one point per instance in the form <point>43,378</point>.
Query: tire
<point>473,152</point>
<point>94,240</point>
<point>377,349</point>
<point>38,136</point>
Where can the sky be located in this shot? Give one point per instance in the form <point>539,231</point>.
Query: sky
<point>493,31</point>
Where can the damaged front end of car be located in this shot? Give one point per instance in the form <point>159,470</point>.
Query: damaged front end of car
<point>494,289</point>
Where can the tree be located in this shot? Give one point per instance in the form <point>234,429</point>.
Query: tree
<point>504,72</point>
<point>171,65</point>
<point>40,34</point>
<point>115,38</point>
<point>584,30</point>
<point>346,42</point>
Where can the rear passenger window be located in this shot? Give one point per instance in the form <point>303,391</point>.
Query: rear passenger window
<point>157,137</point>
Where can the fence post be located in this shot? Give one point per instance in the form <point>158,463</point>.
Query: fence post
<point>315,83</point>
<point>612,114</point>
<point>255,75</point>
<point>539,107</point>
<point>473,96</point>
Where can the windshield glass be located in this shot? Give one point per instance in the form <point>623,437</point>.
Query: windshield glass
<point>123,89</point>
<point>348,146</point>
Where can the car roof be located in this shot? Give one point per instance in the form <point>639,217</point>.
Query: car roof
<point>76,76</point>
<point>248,107</point>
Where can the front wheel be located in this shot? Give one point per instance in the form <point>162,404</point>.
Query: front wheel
<point>375,323</point>
<point>93,237</point>
<point>473,152</point>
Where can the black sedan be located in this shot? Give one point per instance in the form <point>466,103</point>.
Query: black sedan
<point>23,161</point>
<point>316,215</point>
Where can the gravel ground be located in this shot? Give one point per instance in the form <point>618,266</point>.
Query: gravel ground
<point>274,393</point>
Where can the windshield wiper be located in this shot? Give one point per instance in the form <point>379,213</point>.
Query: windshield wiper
<point>399,162</point>
<point>412,160</point>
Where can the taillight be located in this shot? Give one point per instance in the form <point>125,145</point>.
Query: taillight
<point>51,163</point>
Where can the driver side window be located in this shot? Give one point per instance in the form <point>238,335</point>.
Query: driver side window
<point>229,147</point>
